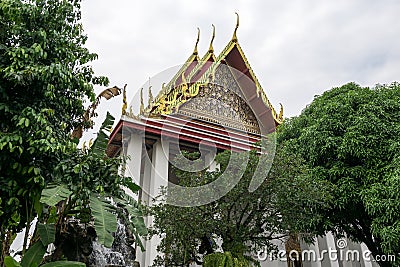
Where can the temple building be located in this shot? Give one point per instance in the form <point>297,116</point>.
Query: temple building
<point>212,103</point>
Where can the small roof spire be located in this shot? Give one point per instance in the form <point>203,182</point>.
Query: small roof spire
<point>211,49</point>
<point>234,37</point>
<point>280,116</point>
<point>183,78</point>
<point>124,102</point>
<point>150,101</point>
<point>195,52</point>
<point>141,101</point>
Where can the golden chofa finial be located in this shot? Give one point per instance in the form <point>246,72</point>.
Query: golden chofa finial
<point>183,78</point>
<point>141,102</point>
<point>195,52</point>
<point>150,97</point>
<point>124,102</point>
<point>211,49</point>
<point>280,116</point>
<point>234,37</point>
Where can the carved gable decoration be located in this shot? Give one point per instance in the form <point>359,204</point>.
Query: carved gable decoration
<point>221,101</point>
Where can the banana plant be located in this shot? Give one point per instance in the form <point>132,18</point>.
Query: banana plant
<point>34,255</point>
<point>93,189</point>
<point>87,186</point>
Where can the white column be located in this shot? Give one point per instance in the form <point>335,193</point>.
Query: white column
<point>367,262</point>
<point>145,181</point>
<point>159,172</point>
<point>159,177</point>
<point>145,185</point>
<point>330,240</point>
<point>134,151</point>
<point>315,262</point>
<point>134,163</point>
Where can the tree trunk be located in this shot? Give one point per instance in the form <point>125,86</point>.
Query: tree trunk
<point>5,246</point>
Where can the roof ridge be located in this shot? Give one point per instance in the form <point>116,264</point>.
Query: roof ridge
<point>192,58</point>
<point>190,86</point>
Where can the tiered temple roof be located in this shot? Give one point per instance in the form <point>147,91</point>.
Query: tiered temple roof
<point>198,72</point>
<point>211,97</point>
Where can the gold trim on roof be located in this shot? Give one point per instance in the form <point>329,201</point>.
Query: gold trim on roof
<point>171,96</point>
<point>171,102</point>
<point>193,57</point>
<point>260,92</point>
<point>209,55</point>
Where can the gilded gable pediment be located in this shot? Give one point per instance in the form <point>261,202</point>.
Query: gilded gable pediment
<point>221,102</point>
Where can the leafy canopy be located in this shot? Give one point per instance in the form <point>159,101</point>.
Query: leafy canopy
<point>244,221</point>
<point>45,78</point>
<point>349,138</point>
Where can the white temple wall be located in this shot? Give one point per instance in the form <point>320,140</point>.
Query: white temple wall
<point>158,179</point>
<point>134,150</point>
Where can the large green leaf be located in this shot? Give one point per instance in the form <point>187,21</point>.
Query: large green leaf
<point>47,233</point>
<point>54,194</point>
<point>137,220</point>
<point>138,227</point>
<point>10,262</point>
<point>100,144</point>
<point>34,255</point>
<point>135,214</point>
<point>138,241</point>
<point>64,264</point>
<point>105,222</point>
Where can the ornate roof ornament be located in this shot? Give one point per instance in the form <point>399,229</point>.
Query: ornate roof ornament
<point>195,52</point>
<point>124,102</point>
<point>150,97</point>
<point>141,101</point>
<point>183,78</point>
<point>234,37</point>
<point>280,116</point>
<point>197,76</point>
<point>211,48</point>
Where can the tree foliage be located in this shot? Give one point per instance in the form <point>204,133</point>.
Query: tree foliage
<point>45,78</point>
<point>349,138</point>
<point>226,259</point>
<point>245,222</point>
<point>87,187</point>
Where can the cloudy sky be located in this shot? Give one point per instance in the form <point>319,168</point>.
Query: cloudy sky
<point>297,48</point>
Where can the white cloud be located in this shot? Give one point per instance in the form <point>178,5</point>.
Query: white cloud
<point>297,48</point>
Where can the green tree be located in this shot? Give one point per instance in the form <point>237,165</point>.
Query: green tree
<point>88,187</point>
<point>246,222</point>
<point>44,80</point>
<point>83,202</point>
<point>349,138</point>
